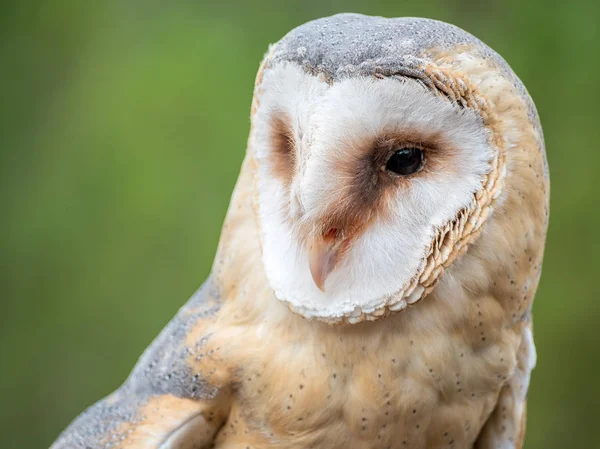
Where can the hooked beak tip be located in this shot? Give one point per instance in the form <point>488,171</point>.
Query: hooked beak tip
<point>323,258</point>
<point>319,282</point>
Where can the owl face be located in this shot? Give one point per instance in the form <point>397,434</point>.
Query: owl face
<point>366,185</point>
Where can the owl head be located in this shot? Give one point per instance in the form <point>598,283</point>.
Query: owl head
<point>383,148</point>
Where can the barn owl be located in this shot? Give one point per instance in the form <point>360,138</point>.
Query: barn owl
<point>374,279</point>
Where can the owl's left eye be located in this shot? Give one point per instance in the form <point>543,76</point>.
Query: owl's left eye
<point>405,161</point>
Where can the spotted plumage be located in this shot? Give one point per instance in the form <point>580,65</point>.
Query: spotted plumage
<point>356,302</point>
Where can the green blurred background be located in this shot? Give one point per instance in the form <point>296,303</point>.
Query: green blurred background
<point>122,128</point>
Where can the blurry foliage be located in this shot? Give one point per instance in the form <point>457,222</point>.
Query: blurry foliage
<point>122,128</point>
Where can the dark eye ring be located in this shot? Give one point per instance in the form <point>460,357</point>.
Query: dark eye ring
<point>405,161</point>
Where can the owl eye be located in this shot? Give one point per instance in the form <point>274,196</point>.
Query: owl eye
<point>405,161</point>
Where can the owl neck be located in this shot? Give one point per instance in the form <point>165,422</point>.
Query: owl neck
<point>238,268</point>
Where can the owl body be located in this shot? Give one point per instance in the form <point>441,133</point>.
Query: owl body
<point>376,269</point>
<point>414,387</point>
<point>359,390</point>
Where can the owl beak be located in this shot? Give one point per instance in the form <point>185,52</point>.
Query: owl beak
<point>324,254</point>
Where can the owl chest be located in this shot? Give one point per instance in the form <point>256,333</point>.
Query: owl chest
<point>365,393</point>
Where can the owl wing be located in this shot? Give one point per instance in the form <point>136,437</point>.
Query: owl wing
<point>170,400</point>
<point>505,428</point>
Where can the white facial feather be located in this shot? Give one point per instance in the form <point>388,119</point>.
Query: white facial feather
<point>327,121</point>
